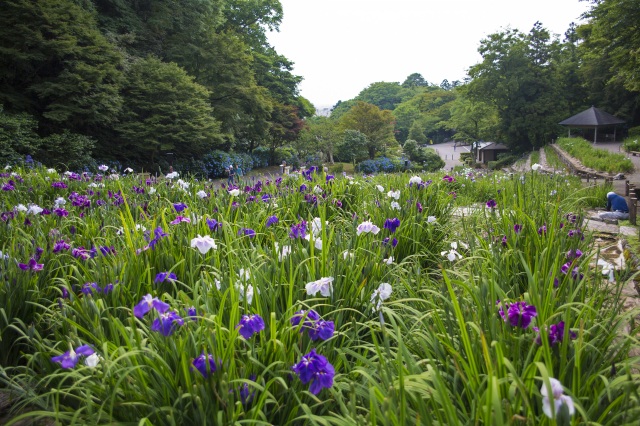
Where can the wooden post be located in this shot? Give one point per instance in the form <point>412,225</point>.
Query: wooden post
<point>626,188</point>
<point>632,209</point>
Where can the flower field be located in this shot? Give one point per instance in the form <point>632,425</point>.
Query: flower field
<point>309,299</point>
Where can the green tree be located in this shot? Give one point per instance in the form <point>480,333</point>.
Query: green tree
<point>383,95</point>
<point>18,137</point>
<point>353,146</point>
<point>472,120</point>
<point>165,111</point>
<point>376,124</point>
<point>415,80</point>
<point>66,150</point>
<point>614,24</point>
<point>320,134</point>
<point>518,78</point>
<point>56,65</point>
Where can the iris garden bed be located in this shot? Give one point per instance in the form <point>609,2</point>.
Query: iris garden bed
<point>313,299</point>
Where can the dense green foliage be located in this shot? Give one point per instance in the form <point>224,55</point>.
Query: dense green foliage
<point>160,82</point>
<point>434,350</point>
<point>597,159</point>
<point>144,79</point>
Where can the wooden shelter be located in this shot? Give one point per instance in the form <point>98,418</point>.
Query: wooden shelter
<point>488,151</point>
<point>592,118</point>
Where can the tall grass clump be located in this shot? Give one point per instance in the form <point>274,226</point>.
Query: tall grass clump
<point>309,299</point>
<point>598,159</point>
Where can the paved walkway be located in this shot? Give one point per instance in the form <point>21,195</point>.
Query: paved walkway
<point>450,153</point>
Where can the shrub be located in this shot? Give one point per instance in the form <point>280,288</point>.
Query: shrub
<point>631,144</point>
<point>431,161</point>
<point>598,159</point>
<point>634,132</point>
<point>503,160</point>
<point>336,168</point>
<point>18,137</point>
<point>216,162</point>
<point>66,150</point>
<point>381,164</point>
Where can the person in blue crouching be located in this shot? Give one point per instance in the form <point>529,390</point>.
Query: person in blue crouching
<point>617,207</point>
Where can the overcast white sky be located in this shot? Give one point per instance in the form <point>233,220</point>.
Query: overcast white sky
<point>340,47</point>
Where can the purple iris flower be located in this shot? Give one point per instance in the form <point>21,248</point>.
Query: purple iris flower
<point>166,323</point>
<point>303,187</point>
<point>205,364</point>
<point>164,276</point>
<point>89,288</point>
<point>192,314</point>
<point>394,242</point>
<point>392,224</point>
<point>8,187</point>
<point>250,325</point>
<point>180,219</point>
<point>504,241</point>
<point>213,224</point>
<point>59,185</point>
<point>32,265</point>
<point>248,232</point>
<point>519,314</point>
<point>158,235</point>
<point>322,330</point>
<point>330,178</point>
<point>517,228</point>
<point>574,254</point>
<point>310,317</point>
<point>317,327</point>
<point>59,211</point>
<point>179,207</point>
<point>565,268</point>
<point>448,178</point>
<point>70,358</point>
<point>556,334</point>
<point>316,369</point>
<point>246,395</point>
<point>491,204</point>
<point>271,220</point>
<point>147,303</point>
<point>107,288</point>
<point>298,230</point>
<point>106,250</point>
<point>542,230</point>
<point>419,206</point>
<point>337,203</point>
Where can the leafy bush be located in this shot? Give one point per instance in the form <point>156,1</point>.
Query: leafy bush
<point>634,132</point>
<point>431,161</point>
<point>378,165</point>
<point>18,137</point>
<point>66,150</point>
<point>504,159</point>
<point>336,168</point>
<point>592,157</point>
<point>261,156</point>
<point>631,144</point>
<point>216,162</point>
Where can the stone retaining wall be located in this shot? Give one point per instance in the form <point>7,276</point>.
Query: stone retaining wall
<point>577,168</point>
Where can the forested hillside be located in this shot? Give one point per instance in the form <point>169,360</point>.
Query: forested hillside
<point>195,84</point>
<point>143,82</point>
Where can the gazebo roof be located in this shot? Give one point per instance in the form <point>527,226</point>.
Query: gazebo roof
<point>592,117</point>
<point>493,146</point>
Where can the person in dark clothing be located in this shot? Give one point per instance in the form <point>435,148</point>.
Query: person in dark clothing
<point>617,207</point>
<point>231,174</point>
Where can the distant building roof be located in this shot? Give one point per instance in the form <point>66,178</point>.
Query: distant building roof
<point>492,146</point>
<point>592,117</point>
